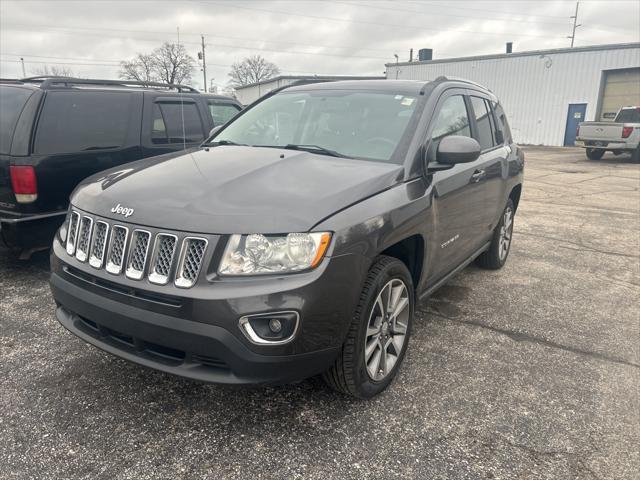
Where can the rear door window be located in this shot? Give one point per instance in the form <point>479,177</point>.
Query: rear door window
<point>222,112</point>
<point>485,134</point>
<point>12,101</point>
<point>77,121</point>
<point>176,122</point>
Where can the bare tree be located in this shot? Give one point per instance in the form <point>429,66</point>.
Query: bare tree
<point>140,69</point>
<point>251,70</point>
<point>53,71</point>
<point>168,63</point>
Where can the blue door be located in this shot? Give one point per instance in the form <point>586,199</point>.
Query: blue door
<point>575,116</point>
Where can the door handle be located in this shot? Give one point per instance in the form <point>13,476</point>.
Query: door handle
<point>477,176</point>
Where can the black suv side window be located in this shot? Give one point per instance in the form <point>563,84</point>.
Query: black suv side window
<point>75,121</point>
<point>167,124</point>
<point>222,112</point>
<point>486,134</point>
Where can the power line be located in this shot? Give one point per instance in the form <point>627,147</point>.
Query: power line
<point>366,22</point>
<point>61,30</point>
<point>429,14</point>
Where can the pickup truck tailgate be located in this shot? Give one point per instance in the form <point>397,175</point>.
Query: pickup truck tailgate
<point>600,131</point>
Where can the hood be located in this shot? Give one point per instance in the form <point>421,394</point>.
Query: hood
<point>233,189</point>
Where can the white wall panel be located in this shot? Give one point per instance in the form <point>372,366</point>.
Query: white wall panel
<point>535,90</point>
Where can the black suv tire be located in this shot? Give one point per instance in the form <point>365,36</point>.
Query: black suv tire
<point>496,256</point>
<point>594,154</point>
<point>349,373</point>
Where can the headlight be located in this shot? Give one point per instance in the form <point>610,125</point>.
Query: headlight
<point>257,254</point>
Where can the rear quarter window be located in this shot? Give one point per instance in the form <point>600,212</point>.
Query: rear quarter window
<point>221,112</point>
<point>77,121</point>
<point>12,101</point>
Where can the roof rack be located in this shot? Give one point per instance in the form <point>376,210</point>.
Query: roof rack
<point>47,82</point>
<point>442,78</point>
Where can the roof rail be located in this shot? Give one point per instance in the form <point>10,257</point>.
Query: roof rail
<point>47,82</point>
<point>443,78</point>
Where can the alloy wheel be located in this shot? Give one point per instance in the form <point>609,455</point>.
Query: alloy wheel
<point>506,231</point>
<point>386,329</point>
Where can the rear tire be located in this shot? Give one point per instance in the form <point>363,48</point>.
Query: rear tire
<point>379,330</point>
<point>496,255</point>
<point>635,156</point>
<point>594,154</point>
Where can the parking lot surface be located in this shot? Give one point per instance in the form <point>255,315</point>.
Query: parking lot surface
<point>528,372</point>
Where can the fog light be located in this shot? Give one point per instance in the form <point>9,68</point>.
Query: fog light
<point>270,328</point>
<point>275,325</point>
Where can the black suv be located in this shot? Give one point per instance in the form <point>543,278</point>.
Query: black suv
<point>298,239</point>
<point>56,131</point>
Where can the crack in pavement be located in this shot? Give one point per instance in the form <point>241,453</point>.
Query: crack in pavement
<point>525,337</point>
<point>582,247</point>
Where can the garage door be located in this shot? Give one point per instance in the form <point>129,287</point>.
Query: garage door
<point>621,89</point>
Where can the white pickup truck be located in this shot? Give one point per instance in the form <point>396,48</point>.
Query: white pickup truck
<point>621,135</point>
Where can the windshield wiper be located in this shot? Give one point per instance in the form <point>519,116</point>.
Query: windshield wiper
<point>223,142</point>
<point>314,149</point>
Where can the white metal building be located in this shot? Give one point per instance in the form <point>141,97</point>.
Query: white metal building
<point>545,93</point>
<point>252,92</point>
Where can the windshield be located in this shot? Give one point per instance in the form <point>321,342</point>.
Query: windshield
<point>12,100</point>
<point>628,115</point>
<point>364,125</point>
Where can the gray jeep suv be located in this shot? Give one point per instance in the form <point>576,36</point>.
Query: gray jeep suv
<point>297,239</point>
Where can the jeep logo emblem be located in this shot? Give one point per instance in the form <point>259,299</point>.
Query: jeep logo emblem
<point>120,210</point>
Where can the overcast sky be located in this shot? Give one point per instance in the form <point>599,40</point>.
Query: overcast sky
<point>350,37</point>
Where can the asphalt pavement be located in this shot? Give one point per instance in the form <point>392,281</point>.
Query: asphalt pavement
<point>529,372</point>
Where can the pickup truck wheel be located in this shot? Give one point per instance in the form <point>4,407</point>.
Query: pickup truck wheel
<point>635,156</point>
<point>594,154</point>
<point>496,255</point>
<point>378,334</point>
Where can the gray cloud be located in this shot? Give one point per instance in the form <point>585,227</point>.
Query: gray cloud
<point>341,37</point>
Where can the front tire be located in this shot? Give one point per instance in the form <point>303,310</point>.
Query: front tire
<point>594,154</point>
<point>496,255</point>
<point>378,334</point>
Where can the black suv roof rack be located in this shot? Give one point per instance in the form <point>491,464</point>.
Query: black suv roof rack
<point>47,82</point>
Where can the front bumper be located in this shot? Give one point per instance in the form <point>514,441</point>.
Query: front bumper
<point>199,336</point>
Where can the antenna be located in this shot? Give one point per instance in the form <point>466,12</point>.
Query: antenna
<point>575,25</point>
<point>184,135</point>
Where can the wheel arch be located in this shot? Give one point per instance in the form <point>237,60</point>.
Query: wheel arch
<point>515,194</point>
<point>411,252</point>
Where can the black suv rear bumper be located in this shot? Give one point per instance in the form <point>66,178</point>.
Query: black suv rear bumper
<point>26,232</point>
<point>211,347</point>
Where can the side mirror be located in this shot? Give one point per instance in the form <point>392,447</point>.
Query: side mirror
<point>214,130</point>
<point>457,149</point>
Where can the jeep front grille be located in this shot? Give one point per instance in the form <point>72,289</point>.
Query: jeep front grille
<point>74,223</point>
<point>84,238</point>
<point>163,252</point>
<point>135,252</point>
<point>191,258</point>
<point>98,244</point>
<point>138,254</point>
<point>117,246</point>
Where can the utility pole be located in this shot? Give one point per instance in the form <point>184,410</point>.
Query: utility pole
<point>204,66</point>
<point>575,25</point>
<point>24,74</point>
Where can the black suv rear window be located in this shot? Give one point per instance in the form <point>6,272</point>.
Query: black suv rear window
<point>12,101</point>
<point>77,121</point>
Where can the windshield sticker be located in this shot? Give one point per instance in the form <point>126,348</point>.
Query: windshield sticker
<point>407,101</point>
